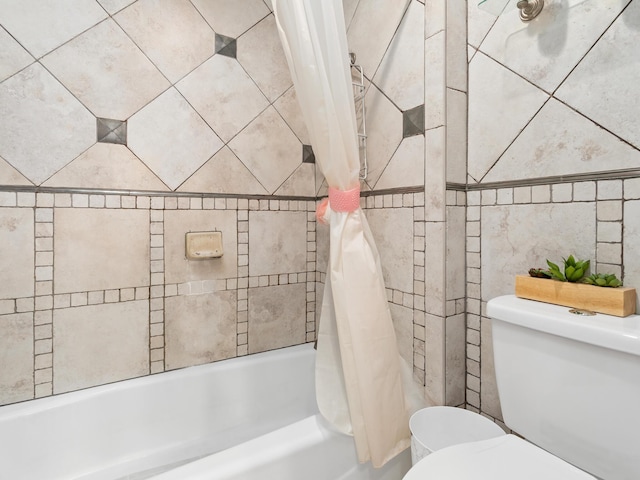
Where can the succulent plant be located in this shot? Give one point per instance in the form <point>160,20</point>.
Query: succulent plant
<point>574,269</point>
<point>539,273</point>
<point>603,280</point>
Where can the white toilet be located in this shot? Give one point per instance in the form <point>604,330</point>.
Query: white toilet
<point>570,385</point>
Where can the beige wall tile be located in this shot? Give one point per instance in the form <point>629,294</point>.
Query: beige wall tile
<point>403,325</point>
<point>17,252</point>
<point>13,57</point>
<point>223,173</point>
<point>104,60</point>
<point>231,18</point>
<point>277,242</point>
<point>260,53</point>
<point>179,222</point>
<point>44,127</point>
<point>107,166</point>
<point>512,244</point>
<point>401,73</point>
<point>455,359</point>
<point>269,149</point>
<point>151,136</point>
<point>43,27</point>
<point>406,167</point>
<point>98,344</point>
<point>200,328</point>
<point>16,357</point>
<point>99,249</point>
<point>172,34</point>
<point>435,372</point>
<point>222,92</point>
<point>276,317</point>
<point>456,249</point>
<point>392,229</point>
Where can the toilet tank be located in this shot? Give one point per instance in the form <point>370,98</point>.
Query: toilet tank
<point>570,383</point>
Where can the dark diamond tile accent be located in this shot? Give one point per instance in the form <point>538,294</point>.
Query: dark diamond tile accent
<point>225,46</point>
<point>413,122</point>
<point>112,131</point>
<point>307,154</point>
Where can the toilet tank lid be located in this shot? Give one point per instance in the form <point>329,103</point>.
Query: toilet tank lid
<point>615,333</point>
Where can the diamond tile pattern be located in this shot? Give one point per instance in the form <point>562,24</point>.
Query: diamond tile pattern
<point>585,54</point>
<point>174,80</point>
<point>170,32</point>
<point>46,118</point>
<point>171,138</point>
<point>108,166</point>
<point>401,73</point>
<point>268,137</point>
<point>222,92</point>
<point>107,72</point>
<point>12,56</point>
<point>261,55</point>
<point>43,26</point>
<point>609,95</point>
<point>230,17</point>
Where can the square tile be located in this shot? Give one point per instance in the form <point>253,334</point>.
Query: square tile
<point>100,249</point>
<point>99,344</point>
<point>17,258</point>
<point>16,357</point>
<point>511,242</point>
<point>107,72</point>
<point>226,97</point>
<point>42,27</point>
<point>277,317</point>
<point>392,231</point>
<point>172,33</point>
<point>43,127</point>
<point>200,328</point>
<point>268,148</point>
<point>277,242</point>
<point>153,136</point>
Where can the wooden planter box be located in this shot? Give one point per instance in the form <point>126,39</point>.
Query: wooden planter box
<point>620,301</point>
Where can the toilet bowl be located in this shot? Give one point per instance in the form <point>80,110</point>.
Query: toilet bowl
<point>501,458</point>
<point>435,428</point>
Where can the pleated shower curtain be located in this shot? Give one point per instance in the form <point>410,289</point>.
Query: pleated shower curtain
<point>358,371</point>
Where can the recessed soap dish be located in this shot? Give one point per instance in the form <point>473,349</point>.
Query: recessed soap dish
<point>203,245</point>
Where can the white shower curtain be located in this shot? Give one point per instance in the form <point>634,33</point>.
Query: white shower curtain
<point>358,373</point>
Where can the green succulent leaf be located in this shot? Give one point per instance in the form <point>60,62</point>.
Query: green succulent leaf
<point>574,269</point>
<point>554,271</point>
<point>603,280</point>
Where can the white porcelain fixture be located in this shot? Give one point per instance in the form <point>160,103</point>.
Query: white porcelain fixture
<point>569,385</point>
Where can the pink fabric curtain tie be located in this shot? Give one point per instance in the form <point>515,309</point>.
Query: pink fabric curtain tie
<point>344,201</point>
<point>340,201</point>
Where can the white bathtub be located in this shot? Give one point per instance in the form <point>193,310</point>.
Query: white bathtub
<point>247,418</point>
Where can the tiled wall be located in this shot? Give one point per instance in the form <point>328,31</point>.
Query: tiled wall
<point>127,124</point>
<point>554,155</point>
